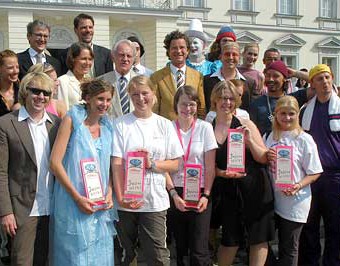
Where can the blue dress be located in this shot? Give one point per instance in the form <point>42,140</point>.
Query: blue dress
<point>77,238</point>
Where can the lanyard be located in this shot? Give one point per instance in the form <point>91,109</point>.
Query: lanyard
<point>186,156</point>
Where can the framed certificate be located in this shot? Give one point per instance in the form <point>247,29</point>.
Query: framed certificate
<point>284,177</point>
<point>134,175</point>
<point>236,151</point>
<point>192,184</point>
<point>92,182</point>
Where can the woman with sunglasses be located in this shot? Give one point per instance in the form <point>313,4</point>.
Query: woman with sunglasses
<point>191,225</point>
<point>79,62</point>
<point>56,107</point>
<point>82,229</point>
<point>9,82</point>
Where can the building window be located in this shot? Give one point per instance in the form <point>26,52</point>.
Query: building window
<point>328,8</point>
<point>288,7</point>
<point>244,5</point>
<point>290,60</point>
<point>193,3</point>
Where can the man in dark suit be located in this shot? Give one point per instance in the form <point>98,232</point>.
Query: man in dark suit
<point>26,138</point>
<point>84,29</point>
<point>38,33</point>
<point>230,57</point>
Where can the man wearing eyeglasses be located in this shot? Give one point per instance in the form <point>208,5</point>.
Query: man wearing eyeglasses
<point>26,139</point>
<point>38,34</point>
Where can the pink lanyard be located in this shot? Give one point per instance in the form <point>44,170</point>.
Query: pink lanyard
<point>186,156</point>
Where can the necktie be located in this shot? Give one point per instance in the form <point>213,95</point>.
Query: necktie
<point>180,79</point>
<point>39,58</point>
<point>136,70</point>
<point>124,98</point>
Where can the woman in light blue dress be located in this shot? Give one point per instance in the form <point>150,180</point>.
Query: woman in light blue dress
<point>80,233</point>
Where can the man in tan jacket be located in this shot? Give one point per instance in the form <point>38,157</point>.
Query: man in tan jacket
<point>175,75</point>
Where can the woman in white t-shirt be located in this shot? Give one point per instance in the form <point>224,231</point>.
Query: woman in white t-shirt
<point>144,131</point>
<point>192,214</point>
<point>292,204</point>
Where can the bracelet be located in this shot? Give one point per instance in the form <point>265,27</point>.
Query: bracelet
<point>173,192</point>
<point>299,183</point>
<point>203,195</point>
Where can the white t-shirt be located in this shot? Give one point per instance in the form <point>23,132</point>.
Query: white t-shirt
<point>203,140</point>
<point>239,113</point>
<point>157,135</point>
<point>306,162</point>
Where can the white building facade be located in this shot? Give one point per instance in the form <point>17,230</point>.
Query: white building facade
<point>307,32</point>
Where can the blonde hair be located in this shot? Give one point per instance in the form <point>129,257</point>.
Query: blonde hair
<point>43,79</point>
<point>286,102</point>
<point>42,67</point>
<point>251,45</point>
<point>219,90</point>
<point>140,80</point>
<point>230,45</point>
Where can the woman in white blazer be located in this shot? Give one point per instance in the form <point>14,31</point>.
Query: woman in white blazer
<point>79,62</point>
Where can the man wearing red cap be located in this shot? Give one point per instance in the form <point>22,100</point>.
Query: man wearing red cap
<point>261,109</point>
<point>321,119</point>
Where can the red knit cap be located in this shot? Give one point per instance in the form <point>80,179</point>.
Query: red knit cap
<point>226,31</point>
<point>279,66</point>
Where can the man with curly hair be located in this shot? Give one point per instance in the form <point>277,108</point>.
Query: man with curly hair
<point>175,75</point>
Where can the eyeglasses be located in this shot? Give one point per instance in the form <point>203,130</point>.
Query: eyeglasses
<point>37,91</point>
<point>40,36</point>
<point>186,105</point>
<point>225,99</point>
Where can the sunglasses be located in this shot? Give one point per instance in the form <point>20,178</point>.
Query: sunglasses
<point>36,91</point>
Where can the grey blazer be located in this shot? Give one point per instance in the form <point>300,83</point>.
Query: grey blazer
<point>18,167</point>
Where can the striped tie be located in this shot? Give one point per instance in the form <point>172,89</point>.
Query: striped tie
<point>124,98</point>
<point>180,79</point>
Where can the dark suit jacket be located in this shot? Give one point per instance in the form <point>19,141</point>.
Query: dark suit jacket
<point>165,90</point>
<point>102,60</point>
<point>18,167</point>
<point>209,83</point>
<point>25,63</point>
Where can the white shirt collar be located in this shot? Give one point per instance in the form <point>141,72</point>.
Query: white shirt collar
<point>218,74</point>
<point>175,69</point>
<point>23,115</point>
<point>127,76</point>
<point>33,52</point>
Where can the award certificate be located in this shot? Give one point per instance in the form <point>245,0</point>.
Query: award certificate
<point>236,151</point>
<point>192,184</point>
<point>284,166</point>
<point>92,182</point>
<point>134,175</point>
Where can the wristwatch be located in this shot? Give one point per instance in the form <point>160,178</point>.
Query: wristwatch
<point>203,195</point>
<point>153,165</point>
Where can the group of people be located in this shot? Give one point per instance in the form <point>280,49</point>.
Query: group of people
<point>93,107</point>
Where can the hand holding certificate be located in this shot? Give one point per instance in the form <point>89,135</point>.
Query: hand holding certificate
<point>93,184</point>
<point>192,185</point>
<point>284,167</point>
<point>236,151</point>
<point>134,175</point>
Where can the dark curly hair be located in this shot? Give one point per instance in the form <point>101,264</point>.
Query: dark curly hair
<point>174,35</point>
